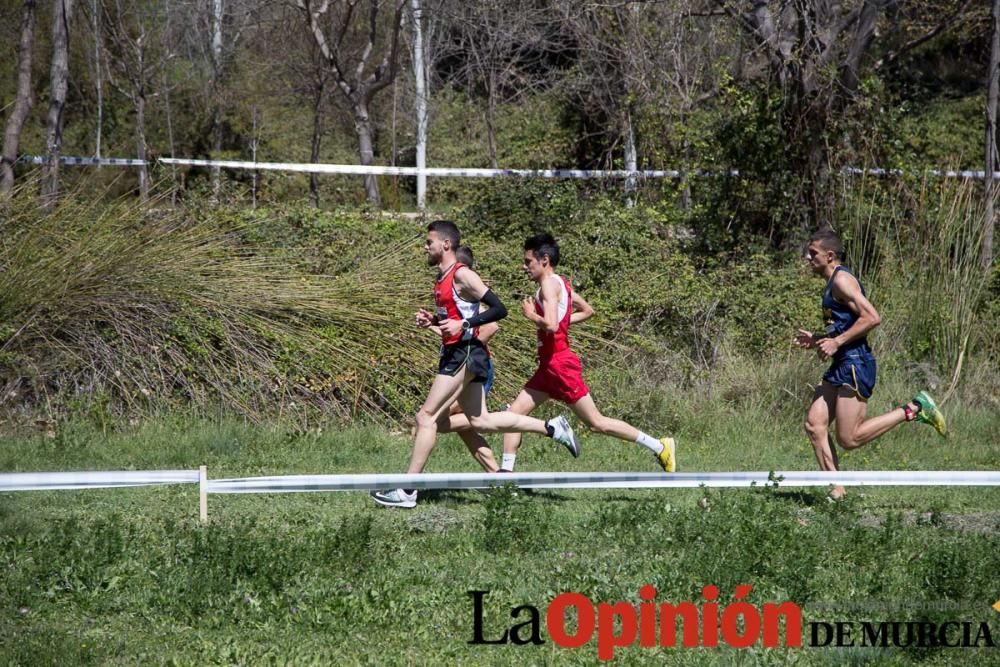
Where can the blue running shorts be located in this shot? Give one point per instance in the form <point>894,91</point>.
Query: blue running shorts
<point>489,378</point>
<point>856,370</point>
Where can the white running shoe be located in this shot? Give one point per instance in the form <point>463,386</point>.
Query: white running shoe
<point>395,498</point>
<point>562,433</point>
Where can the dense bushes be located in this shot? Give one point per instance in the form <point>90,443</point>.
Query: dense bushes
<point>126,308</point>
<point>112,308</point>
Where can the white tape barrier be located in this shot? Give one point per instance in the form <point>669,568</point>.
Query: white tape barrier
<point>86,161</point>
<point>543,480</point>
<point>361,170</point>
<point>945,173</point>
<point>41,481</point>
<point>535,173</point>
<point>590,480</point>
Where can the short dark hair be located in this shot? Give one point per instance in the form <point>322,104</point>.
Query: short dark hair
<point>446,229</point>
<point>463,253</point>
<point>829,240</point>
<point>543,245</point>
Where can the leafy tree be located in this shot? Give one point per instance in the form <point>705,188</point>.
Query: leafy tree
<point>815,54</point>
<point>360,47</point>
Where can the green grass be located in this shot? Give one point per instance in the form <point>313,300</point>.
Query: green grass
<point>130,577</point>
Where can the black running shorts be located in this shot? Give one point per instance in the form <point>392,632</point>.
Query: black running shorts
<point>469,353</point>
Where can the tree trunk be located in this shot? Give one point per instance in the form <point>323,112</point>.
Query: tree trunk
<point>420,82</point>
<point>216,93</point>
<point>254,143</point>
<point>631,162</point>
<point>850,74</point>
<point>366,148</point>
<point>23,101</point>
<point>170,138</point>
<point>169,112</point>
<point>358,88</point>
<point>491,112</point>
<point>98,84</point>
<point>317,136</point>
<point>62,12</point>
<point>993,83</point>
<point>821,197</point>
<point>141,146</point>
<point>630,38</point>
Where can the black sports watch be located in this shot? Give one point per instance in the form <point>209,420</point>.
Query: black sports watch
<point>465,325</point>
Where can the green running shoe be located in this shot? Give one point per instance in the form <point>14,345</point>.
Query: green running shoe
<point>929,413</point>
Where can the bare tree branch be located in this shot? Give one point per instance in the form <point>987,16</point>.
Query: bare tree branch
<point>936,30</point>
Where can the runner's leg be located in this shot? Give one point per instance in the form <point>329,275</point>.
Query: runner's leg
<point>438,399</point>
<point>817,426</point>
<point>524,404</point>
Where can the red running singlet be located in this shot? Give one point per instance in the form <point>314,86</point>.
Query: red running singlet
<point>551,343</point>
<point>450,306</point>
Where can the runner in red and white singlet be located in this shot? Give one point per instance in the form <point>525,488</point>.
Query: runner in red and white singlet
<point>455,420</point>
<point>560,373</point>
<point>560,376</point>
<point>462,368</point>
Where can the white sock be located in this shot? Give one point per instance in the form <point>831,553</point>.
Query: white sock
<point>649,442</point>
<point>507,461</point>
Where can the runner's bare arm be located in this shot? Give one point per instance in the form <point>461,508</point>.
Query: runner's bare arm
<point>528,310</point>
<point>806,339</point>
<point>847,290</point>
<point>424,318</point>
<point>581,309</point>
<point>486,331</point>
<point>550,293</point>
<point>470,286</point>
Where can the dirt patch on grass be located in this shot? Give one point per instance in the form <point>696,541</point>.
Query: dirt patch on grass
<point>982,523</point>
<point>433,519</point>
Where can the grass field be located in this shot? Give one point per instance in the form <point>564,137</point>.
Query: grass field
<point>130,577</point>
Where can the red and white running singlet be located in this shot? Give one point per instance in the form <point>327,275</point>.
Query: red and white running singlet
<point>559,373</point>
<point>450,306</point>
<point>551,343</point>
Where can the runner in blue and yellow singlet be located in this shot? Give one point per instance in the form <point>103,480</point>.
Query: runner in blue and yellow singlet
<point>848,383</point>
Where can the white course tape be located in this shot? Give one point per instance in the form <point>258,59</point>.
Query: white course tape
<point>361,170</point>
<point>86,161</point>
<point>41,481</point>
<point>946,173</point>
<point>306,483</point>
<point>38,481</point>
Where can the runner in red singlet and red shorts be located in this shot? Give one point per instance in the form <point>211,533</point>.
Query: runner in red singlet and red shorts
<point>463,365</point>
<point>560,376</point>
